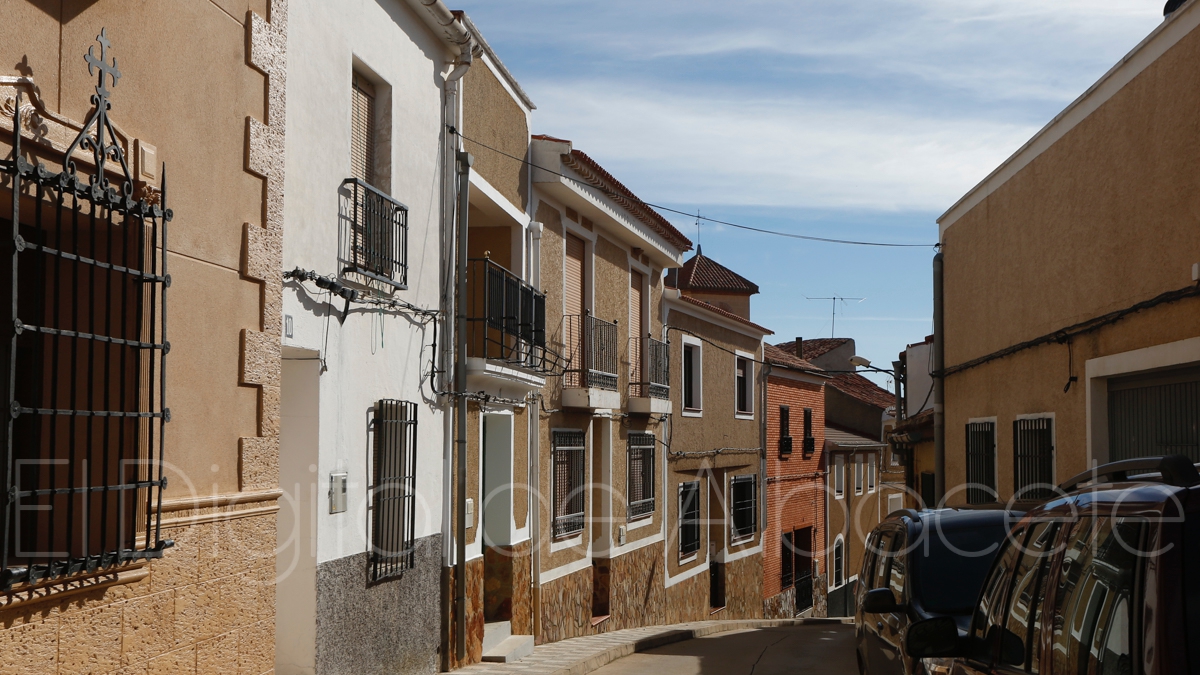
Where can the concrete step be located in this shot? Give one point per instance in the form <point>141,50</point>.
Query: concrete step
<point>513,648</point>
<point>494,633</point>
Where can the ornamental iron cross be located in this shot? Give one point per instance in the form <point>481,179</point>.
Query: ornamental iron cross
<point>101,65</point>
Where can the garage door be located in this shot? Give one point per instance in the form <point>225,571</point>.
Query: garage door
<point>1155,414</point>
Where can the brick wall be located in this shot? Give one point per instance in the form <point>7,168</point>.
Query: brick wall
<point>795,486</point>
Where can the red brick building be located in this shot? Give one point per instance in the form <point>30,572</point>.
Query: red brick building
<point>793,540</point>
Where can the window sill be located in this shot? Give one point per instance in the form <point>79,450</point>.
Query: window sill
<point>744,415</point>
<point>689,558</point>
<point>748,539</point>
<point>839,495</point>
<point>692,412</point>
<point>60,588</point>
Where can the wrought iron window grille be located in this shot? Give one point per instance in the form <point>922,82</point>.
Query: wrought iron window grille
<point>981,463</point>
<point>1033,458</point>
<point>689,518</point>
<point>87,348</point>
<point>568,456</point>
<point>744,506</point>
<point>810,441</point>
<point>394,488</point>
<point>786,556</point>
<point>506,319</point>
<point>785,430</point>
<point>641,474</point>
<point>372,234</point>
<point>591,353</point>
<point>650,371</point>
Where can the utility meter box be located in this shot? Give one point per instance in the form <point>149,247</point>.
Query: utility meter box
<point>337,492</point>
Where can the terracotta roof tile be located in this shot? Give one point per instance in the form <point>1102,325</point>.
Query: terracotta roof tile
<point>777,357</point>
<point>599,177</point>
<point>814,348</point>
<point>726,314</point>
<point>704,274</point>
<point>859,387</point>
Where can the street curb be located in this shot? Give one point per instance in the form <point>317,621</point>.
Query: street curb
<point>611,654</point>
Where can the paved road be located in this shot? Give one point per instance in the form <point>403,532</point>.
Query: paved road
<point>809,650</point>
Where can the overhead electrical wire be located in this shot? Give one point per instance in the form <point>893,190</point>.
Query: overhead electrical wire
<point>659,207</point>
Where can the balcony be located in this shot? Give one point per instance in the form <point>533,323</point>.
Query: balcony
<point>372,235</point>
<point>506,332</point>
<point>590,378</point>
<point>649,376</point>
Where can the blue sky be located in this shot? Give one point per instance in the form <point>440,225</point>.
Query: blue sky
<point>859,120</point>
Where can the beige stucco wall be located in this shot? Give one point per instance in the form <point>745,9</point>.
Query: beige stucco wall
<point>208,603</point>
<point>1100,220</point>
<point>493,117</point>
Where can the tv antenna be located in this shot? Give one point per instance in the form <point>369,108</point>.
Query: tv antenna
<point>834,301</point>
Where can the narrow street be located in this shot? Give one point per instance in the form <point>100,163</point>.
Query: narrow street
<point>814,649</point>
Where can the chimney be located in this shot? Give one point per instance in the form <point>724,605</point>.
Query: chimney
<point>800,347</point>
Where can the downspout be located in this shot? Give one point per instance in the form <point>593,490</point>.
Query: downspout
<point>939,386</point>
<point>452,551</point>
<point>762,441</point>
<point>535,505</point>
<point>460,387</point>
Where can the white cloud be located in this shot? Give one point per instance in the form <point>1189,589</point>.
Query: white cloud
<point>774,152</point>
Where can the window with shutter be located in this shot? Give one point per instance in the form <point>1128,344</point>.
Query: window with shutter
<point>689,518</point>
<point>637,333</point>
<point>362,129</point>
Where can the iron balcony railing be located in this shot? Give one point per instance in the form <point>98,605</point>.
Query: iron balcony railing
<point>649,368</point>
<point>591,353</point>
<point>372,234</point>
<point>506,319</point>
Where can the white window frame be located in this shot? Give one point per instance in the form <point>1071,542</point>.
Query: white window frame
<point>697,377</point>
<point>858,473</point>
<point>732,541</point>
<point>833,573</point>
<point>872,473</point>
<point>839,476</point>
<point>747,414</point>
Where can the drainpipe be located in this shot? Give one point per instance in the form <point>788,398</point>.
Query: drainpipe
<point>762,441</point>
<point>460,387</point>
<point>939,386</point>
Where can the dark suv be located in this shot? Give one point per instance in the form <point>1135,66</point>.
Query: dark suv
<point>918,565</point>
<point>1103,580</point>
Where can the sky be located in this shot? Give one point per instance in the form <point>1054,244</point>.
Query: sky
<point>852,120</point>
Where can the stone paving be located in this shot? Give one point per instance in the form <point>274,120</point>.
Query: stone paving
<point>578,656</point>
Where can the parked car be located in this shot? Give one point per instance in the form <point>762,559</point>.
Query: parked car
<point>918,565</point>
<point>1104,580</point>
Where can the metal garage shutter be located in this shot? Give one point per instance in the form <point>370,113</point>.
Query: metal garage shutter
<point>1156,414</point>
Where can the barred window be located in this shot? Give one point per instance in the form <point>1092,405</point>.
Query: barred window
<point>87,283</point>
<point>394,488</point>
<point>641,475</point>
<point>568,458</point>
<point>744,506</point>
<point>981,463</point>
<point>689,518</point>
<point>1033,458</point>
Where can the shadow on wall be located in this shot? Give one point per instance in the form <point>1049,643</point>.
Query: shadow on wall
<point>63,12</point>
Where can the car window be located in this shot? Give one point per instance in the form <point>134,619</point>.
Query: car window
<point>948,568</point>
<point>1022,622</point>
<point>896,575</point>
<point>994,587</point>
<point>882,558</point>
<point>867,573</point>
<point>1095,589</point>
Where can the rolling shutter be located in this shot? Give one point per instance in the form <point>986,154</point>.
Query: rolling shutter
<point>573,277</point>
<point>636,332</point>
<point>1157,414</point>
<point>362,130</point>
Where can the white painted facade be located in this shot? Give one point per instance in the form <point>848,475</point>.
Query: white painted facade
<point>334,371</point>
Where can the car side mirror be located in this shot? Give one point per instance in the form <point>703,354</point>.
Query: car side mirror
<point>880,601</point>
<point>936,637</point>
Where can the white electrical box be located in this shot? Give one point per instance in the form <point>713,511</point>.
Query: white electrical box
<point>470,512</point>
<point>621,534</point>
<point>287,325</point>
<point>337,492</point>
